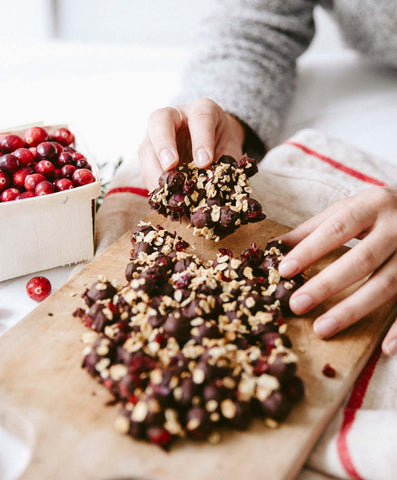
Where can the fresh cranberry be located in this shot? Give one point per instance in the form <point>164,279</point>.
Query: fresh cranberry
<point>23,195</point>
<point>329,371</point>
<point>57,174</point>
<point>20,175</point>
<point>9,163</point>
<point>64,136</point>
<point>65,158</point>
<point>44,188</point>
<point>11,143</point>
<point>68,170</point>
<point>47,151</point>
<point>69,149</point>
<point>82,163</point>
<point>77,155</point>
<point>25,156</point>
<point>38,288</point>
<point>45,167</point>
<point>83,177</point>
<point>35,135</point>
<point>4,181</point>
<point>64,184</point>
<point>31,181</point>
<point>9,195</point>
<point>59,147</point>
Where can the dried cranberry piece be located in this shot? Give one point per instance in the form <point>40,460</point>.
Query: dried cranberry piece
<point>183,281</point>
<point>329,371</point>
<point>159,436</point>
<point>226,251</point>
<point>189,187</point>
<point>181,245</point>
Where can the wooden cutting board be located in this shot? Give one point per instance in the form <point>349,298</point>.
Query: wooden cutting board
<point>61,412</point>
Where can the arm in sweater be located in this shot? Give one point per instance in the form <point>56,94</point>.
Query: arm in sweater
<point>246,62</point>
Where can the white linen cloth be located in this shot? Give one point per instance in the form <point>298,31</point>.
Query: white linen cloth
<point>295,181</point>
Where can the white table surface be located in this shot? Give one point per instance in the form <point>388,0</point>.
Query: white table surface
<point>108,93</point>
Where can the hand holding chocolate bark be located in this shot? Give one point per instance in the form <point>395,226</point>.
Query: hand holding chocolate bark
<point>215,200</point>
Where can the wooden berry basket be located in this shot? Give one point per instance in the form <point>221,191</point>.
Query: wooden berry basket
<point>48,231</point>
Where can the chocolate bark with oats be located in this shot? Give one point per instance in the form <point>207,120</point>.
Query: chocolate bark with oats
<point>215,200</point>
<point>191,346</point>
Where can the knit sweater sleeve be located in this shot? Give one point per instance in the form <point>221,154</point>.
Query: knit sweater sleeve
<point>245,61</point>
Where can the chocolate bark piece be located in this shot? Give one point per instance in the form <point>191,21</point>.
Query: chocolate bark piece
<point>215,200</point>
<point>189,346</point>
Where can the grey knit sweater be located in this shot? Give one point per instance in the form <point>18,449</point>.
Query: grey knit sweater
<point>247,51</point>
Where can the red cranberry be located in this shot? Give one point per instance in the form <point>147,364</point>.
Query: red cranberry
<point>64,184</point>
<point>83,177</point>
<point>31,181</point>
<point>69,149</point>
<point>68,170</point>
<point>25,156</point>
<point>64,136</point>
<point>9,163</point>
<point>59,147</point>
<point>82,163</point>
<point>45,167</point>
<point>44,188</point>
<point>4,181</point>
<point>77,155</point>
<point>23,195</point>
<point>20,175</point>
<point>38,288</point>
<point>35,135</point>
<point>9,195</point>
<point>329,371</point>
<point>11,143</point>
<point>47,151</point>
<point>65,158</point>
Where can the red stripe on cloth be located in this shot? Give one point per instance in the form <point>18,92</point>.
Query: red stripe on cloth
<point>355,401</point>
<point>136,190</point>
<point>340,166</point>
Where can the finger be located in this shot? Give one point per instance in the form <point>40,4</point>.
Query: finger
<point>229,140</point>
<point>343,225</point>
<point>162,127</point>
<point>389,344</point>
<point>380,288</point>
<point>296,235</point>
<point>354,265</point>
<point>150,167</point>
<point>203,119</point>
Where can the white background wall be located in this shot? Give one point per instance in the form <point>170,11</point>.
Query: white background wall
<point>159,23</point>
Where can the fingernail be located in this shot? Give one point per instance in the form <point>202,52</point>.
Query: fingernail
<point>288,268</point>
<point>325,327</point>
<point>300,303</point>
<point>202,157</point>
<point>167,158</point>
<point>391,347</point>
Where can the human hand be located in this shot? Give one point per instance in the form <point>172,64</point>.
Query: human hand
<point>203,133</point>
<point>370,216</point>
